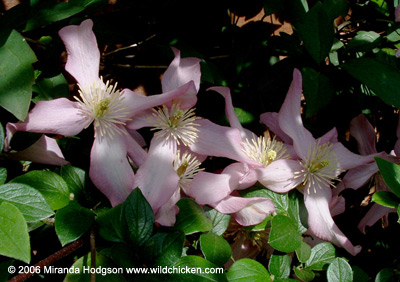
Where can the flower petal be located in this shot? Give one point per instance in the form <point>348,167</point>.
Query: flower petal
<point>320,221</point>
<point>364,133</point>
<point>83,54</point>
<point>220,141</point>
<point>242,176</point>
<point>330,136</point>
<point>279,176</point>
<point>347,159</point>
<point>110,170</point>
<point>357,177</point>
<point>180,72</point>
<point>156,177</point>
<point>270,119</point>
<point>166,215</point>
<point>44,151</point>
<point>290,117</point>
<point>59,116</point>
<point>375,213</point>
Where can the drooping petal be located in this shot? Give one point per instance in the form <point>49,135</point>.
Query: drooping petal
<point>397,14</point>
<point>375,213</point>
<point>44,151</point>
<point>320,221</point>
<point>230,112</point>
<point>254,209</point>
<point>279,176</point>
<point>220,141</point>
<point>207,188</point>
<point>242,176</point>
<point>290,117</point>
<point>59,116</point>
<point>83,54</point>
<point>330,136</point>
<point>135,151</point>
<point>156,177</point>
<point>166,215</point>
<point>347,160</point>
<point>338,203</point>
<point>364,133</point>
<point>255,212</point>
<point>138,103</point>
<point>180,72</point>
<point>110,170</point>
<point>270,119</point>
<point>357,177</point>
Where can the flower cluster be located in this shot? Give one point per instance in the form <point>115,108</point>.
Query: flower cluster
<point>171,166</point>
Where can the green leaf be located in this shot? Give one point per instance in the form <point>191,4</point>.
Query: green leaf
<point>279,266</point>
<point>3,175</point>
<point>386,199</point>
<point>76,181</point>
<point>49,184</point>
<point>191,217</point>
<point>72,222</point>
<point>215,248</point>
<point>76,272</point>
<point>164,249</point>
<point>381,6</point>
<point>14,237</point>
<point>138,218</point>
<point>109,224</point>
<point>4,273</point>
<point>247,270</point>
<point>243,116</point>
<point>273,6</point>
<point>318,90</point>
<point>339,271</point>
<point>303,252</point>
<point>321,255</point>
<point>219,220</point>
<point>297,210</point>
<point>284,235</point>
<point>317,33</point>
<point>29,201</point>
<point>387,275</point>
<point>391,174</point>
<point>335,8</point>
<point>359,275</point>
<point>394,33</point>
<point>281,200</point>
<point>364,41</point>
<point>304,274</point>
<point>196,262</point>
<point>382,78</point>
<point>16,74</point>
<point>50,88</point>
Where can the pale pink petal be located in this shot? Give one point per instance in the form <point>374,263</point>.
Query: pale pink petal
<point>359,176</point>
<point>338,203</point>
<point>110,170</point>
<point>166,215</point>
<point>230,112</point>
<point>59,116</point>
<point>135,151</point>
<point>330,136</point>
<point>138,103</point>
<point>242,176</point>
<point>347,159</point>
<point>156,177</point>
<point>375,213</point>
<point>220,141</point>
<point>320,220</point>
<point>279,176</point>
<point>83,54</point>
<point>397,14</point>
<point>207,188</point>
<point>255,212</point>
<point>180,72</point>
<point>364,133</point>
<point>270,119</point>
<point>248,211</point>
<point>44,151</point>
<point>290,117</point>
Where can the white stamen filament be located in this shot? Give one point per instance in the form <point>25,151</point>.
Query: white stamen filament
<point>103,105</point>
<point>186,166</point>
<point>264,150</point>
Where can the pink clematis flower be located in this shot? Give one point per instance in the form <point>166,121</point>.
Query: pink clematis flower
<point>321,162</point>
<point>103,105</point>
<point>364,133</point>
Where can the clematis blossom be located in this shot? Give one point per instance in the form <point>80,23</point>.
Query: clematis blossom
<point>103,105</point>
<point>320,163</point>
<point>364,133</point>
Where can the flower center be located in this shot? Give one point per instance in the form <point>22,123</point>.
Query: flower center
<point>320,167</point>
<point>175,123</point>
<point>103,105</point>
<point>264,149</point>
<point>186,166</point>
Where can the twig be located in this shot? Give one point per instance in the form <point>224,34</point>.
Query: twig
<point>50,259</point>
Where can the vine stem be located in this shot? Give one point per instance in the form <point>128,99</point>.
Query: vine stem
<point>50,259</point>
